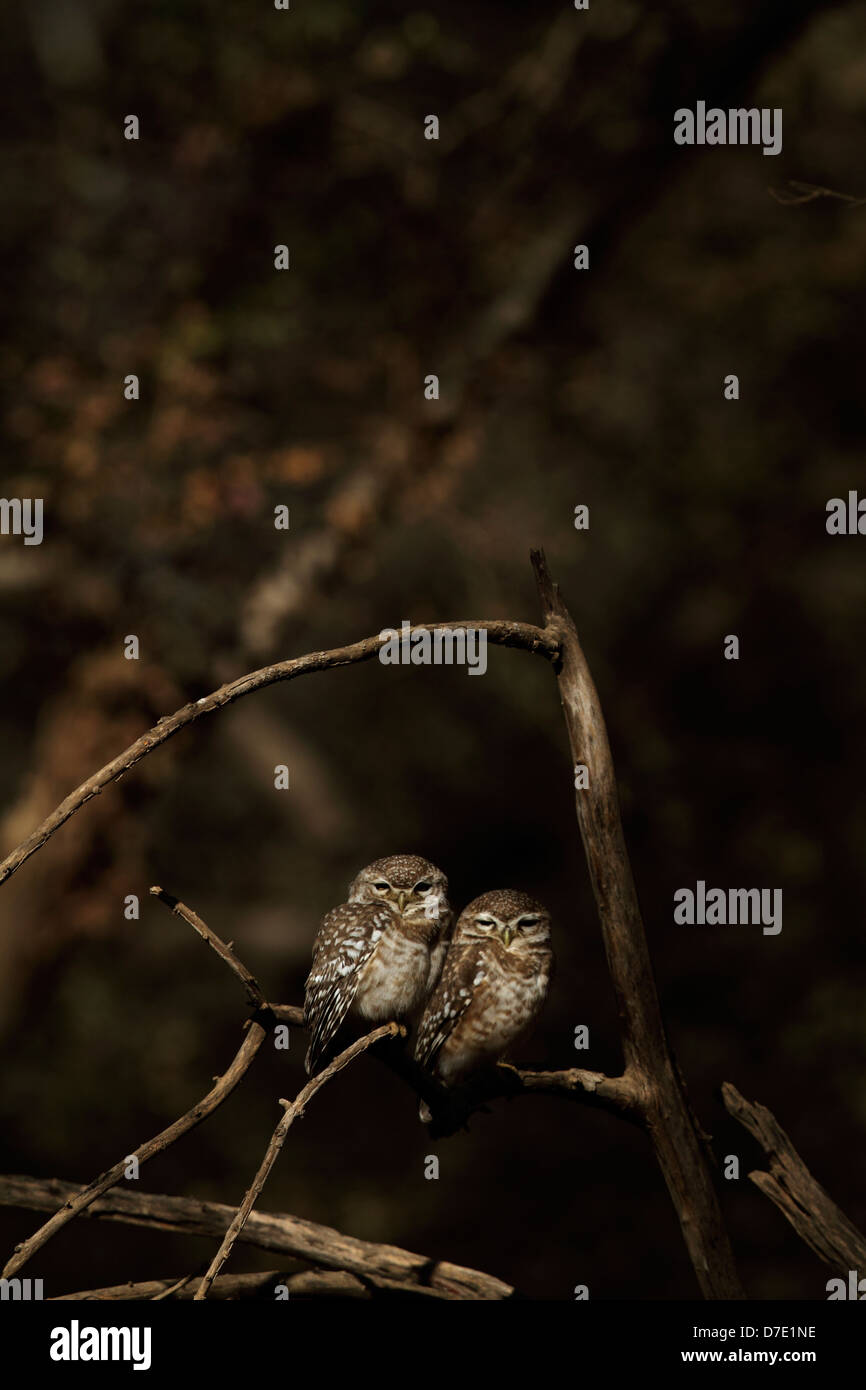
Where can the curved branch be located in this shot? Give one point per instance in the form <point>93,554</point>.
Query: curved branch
<point>502,633</point>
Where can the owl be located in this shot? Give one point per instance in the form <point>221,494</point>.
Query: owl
<point>496,976</point>
<point>377,957</point>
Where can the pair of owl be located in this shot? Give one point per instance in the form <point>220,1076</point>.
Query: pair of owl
<point>385,953</point>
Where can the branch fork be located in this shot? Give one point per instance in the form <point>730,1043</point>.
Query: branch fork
<point>650,1092</point>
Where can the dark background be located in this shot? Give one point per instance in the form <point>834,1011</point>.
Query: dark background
<point>559,387</point>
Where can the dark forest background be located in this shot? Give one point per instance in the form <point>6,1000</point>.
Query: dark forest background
<point>306,388</point>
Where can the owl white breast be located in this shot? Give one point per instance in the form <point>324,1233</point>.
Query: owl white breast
<point>496,978</point>
<point>374,955</point>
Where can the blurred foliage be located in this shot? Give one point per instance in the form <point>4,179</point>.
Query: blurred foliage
<point>306,388</point>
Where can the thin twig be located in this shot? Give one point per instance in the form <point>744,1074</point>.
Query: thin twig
<point>292,1110</point>
<point>651,1088</point>
<point>810,192</point>
<point>503,633</point>
<point>254,991</point>
<point>176,1287</point>
<point>450,1109</point>
<point>86,1195</point>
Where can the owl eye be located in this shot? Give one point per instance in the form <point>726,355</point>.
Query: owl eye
<point>423,886</point>
<point>381,887</point>
<point>528,922</point>
<point>485,922</point>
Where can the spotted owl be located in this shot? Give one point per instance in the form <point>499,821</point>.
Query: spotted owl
<point>378,956</point>
<point>495,979</point>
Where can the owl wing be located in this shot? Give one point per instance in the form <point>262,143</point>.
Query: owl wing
<point>462,975</point>
<point>345,942</point>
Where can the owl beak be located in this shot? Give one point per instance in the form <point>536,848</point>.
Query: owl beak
<point>507,936</point>
<point>401,900</point>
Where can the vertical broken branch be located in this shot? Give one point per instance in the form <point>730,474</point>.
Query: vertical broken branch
<point>649,1063</point>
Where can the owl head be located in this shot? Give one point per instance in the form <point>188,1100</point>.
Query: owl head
<point>411,885</point>
<point>520,923</point>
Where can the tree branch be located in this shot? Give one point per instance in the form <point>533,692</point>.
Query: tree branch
<point>502,633</point>
<point>802,1201</point>
<point>650,1070</point>
<point>306,1283</point>
<point>254,991</point>
<point>808,192</point>
<point>292,1110</point>
<point>452,1107</point>
<point>279,1232</point>
<point>650,1091</point>
<point>83,1197</point>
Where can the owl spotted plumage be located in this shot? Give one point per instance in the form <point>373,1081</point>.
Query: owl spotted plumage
<point>495,980</point>
<point>377,956</point>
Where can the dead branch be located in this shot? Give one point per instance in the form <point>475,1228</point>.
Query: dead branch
<point>220,1092</point>
<point>452,1107</point>
<point>650,1091</point>
<point>650,1067</point>
<point>279,1232</point>
<point>502,633</point>
<point>253,989</point>
<point>801,193</point>
<point>83,1197</point>
<point>305,1283</point>
<point>292,1110</point>
<point>802,1201</point>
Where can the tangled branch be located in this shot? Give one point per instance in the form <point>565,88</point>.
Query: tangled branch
<point>292,1109</point>
<point>84,1197</point>
<point>650,1092</point>
<point>451,1110</point>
